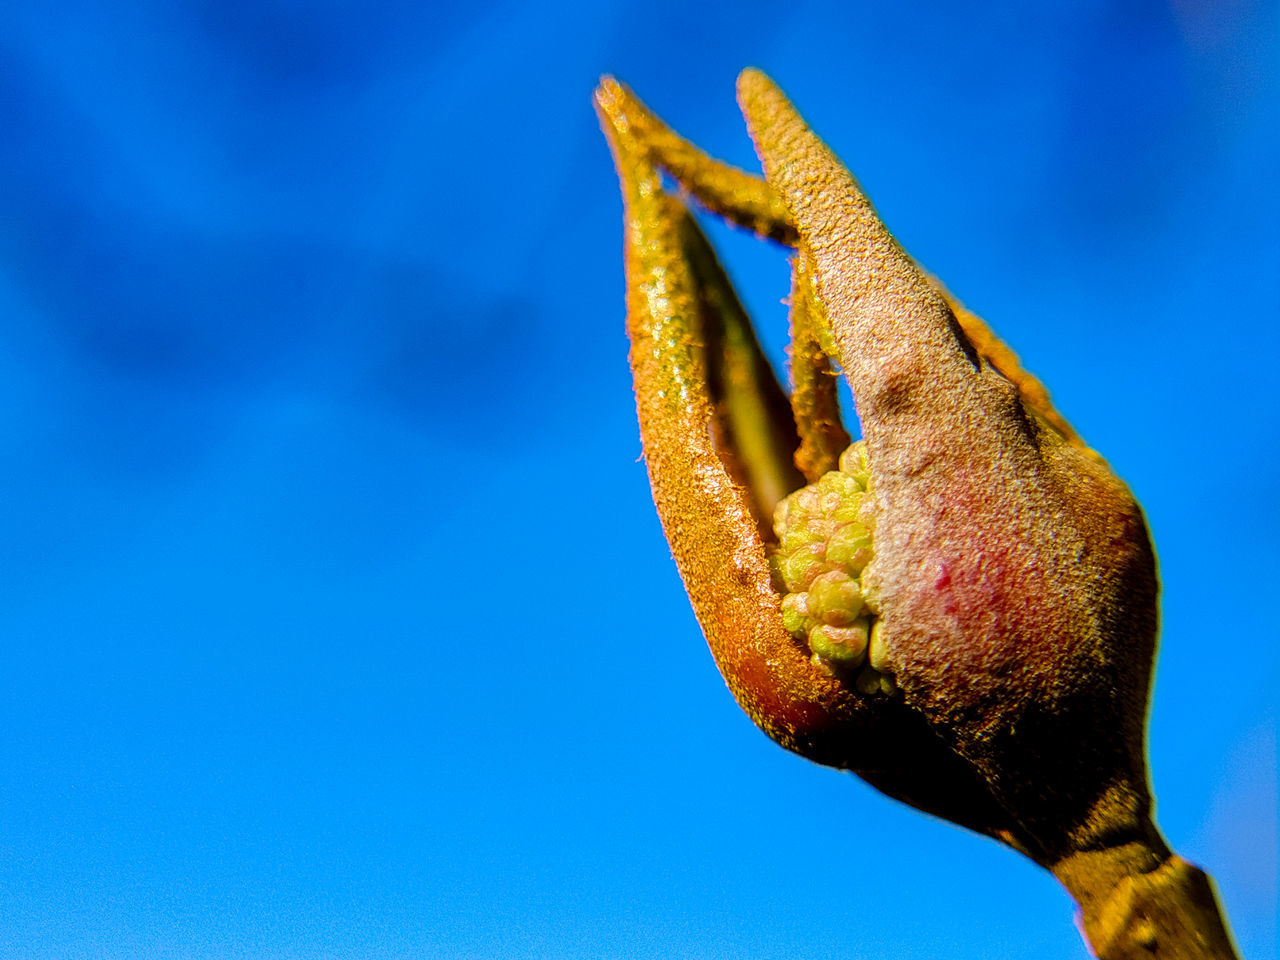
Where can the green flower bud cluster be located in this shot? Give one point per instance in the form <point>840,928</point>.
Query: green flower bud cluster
<point>824,536</point>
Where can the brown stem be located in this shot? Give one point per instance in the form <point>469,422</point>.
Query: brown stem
<point>1140,901</point>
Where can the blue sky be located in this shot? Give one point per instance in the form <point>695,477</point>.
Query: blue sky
<point>336,620</point>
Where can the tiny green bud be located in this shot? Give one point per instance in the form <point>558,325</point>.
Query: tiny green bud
<point>841,646</point>
<point>849,509</point>
<point>849,547</point>
<point>877,655</point>
<point>801,567</point>
<point>834,598</point>
<point>795,614</point>
<point>853,462</point>
<point>868,681</point>
<point>839,492</point>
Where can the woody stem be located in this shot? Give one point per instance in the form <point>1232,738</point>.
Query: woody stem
<point>1140,901</point>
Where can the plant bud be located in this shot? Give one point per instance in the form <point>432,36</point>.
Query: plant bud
<point>961,607</point>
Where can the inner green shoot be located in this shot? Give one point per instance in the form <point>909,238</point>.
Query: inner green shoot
<point>825,532</point>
